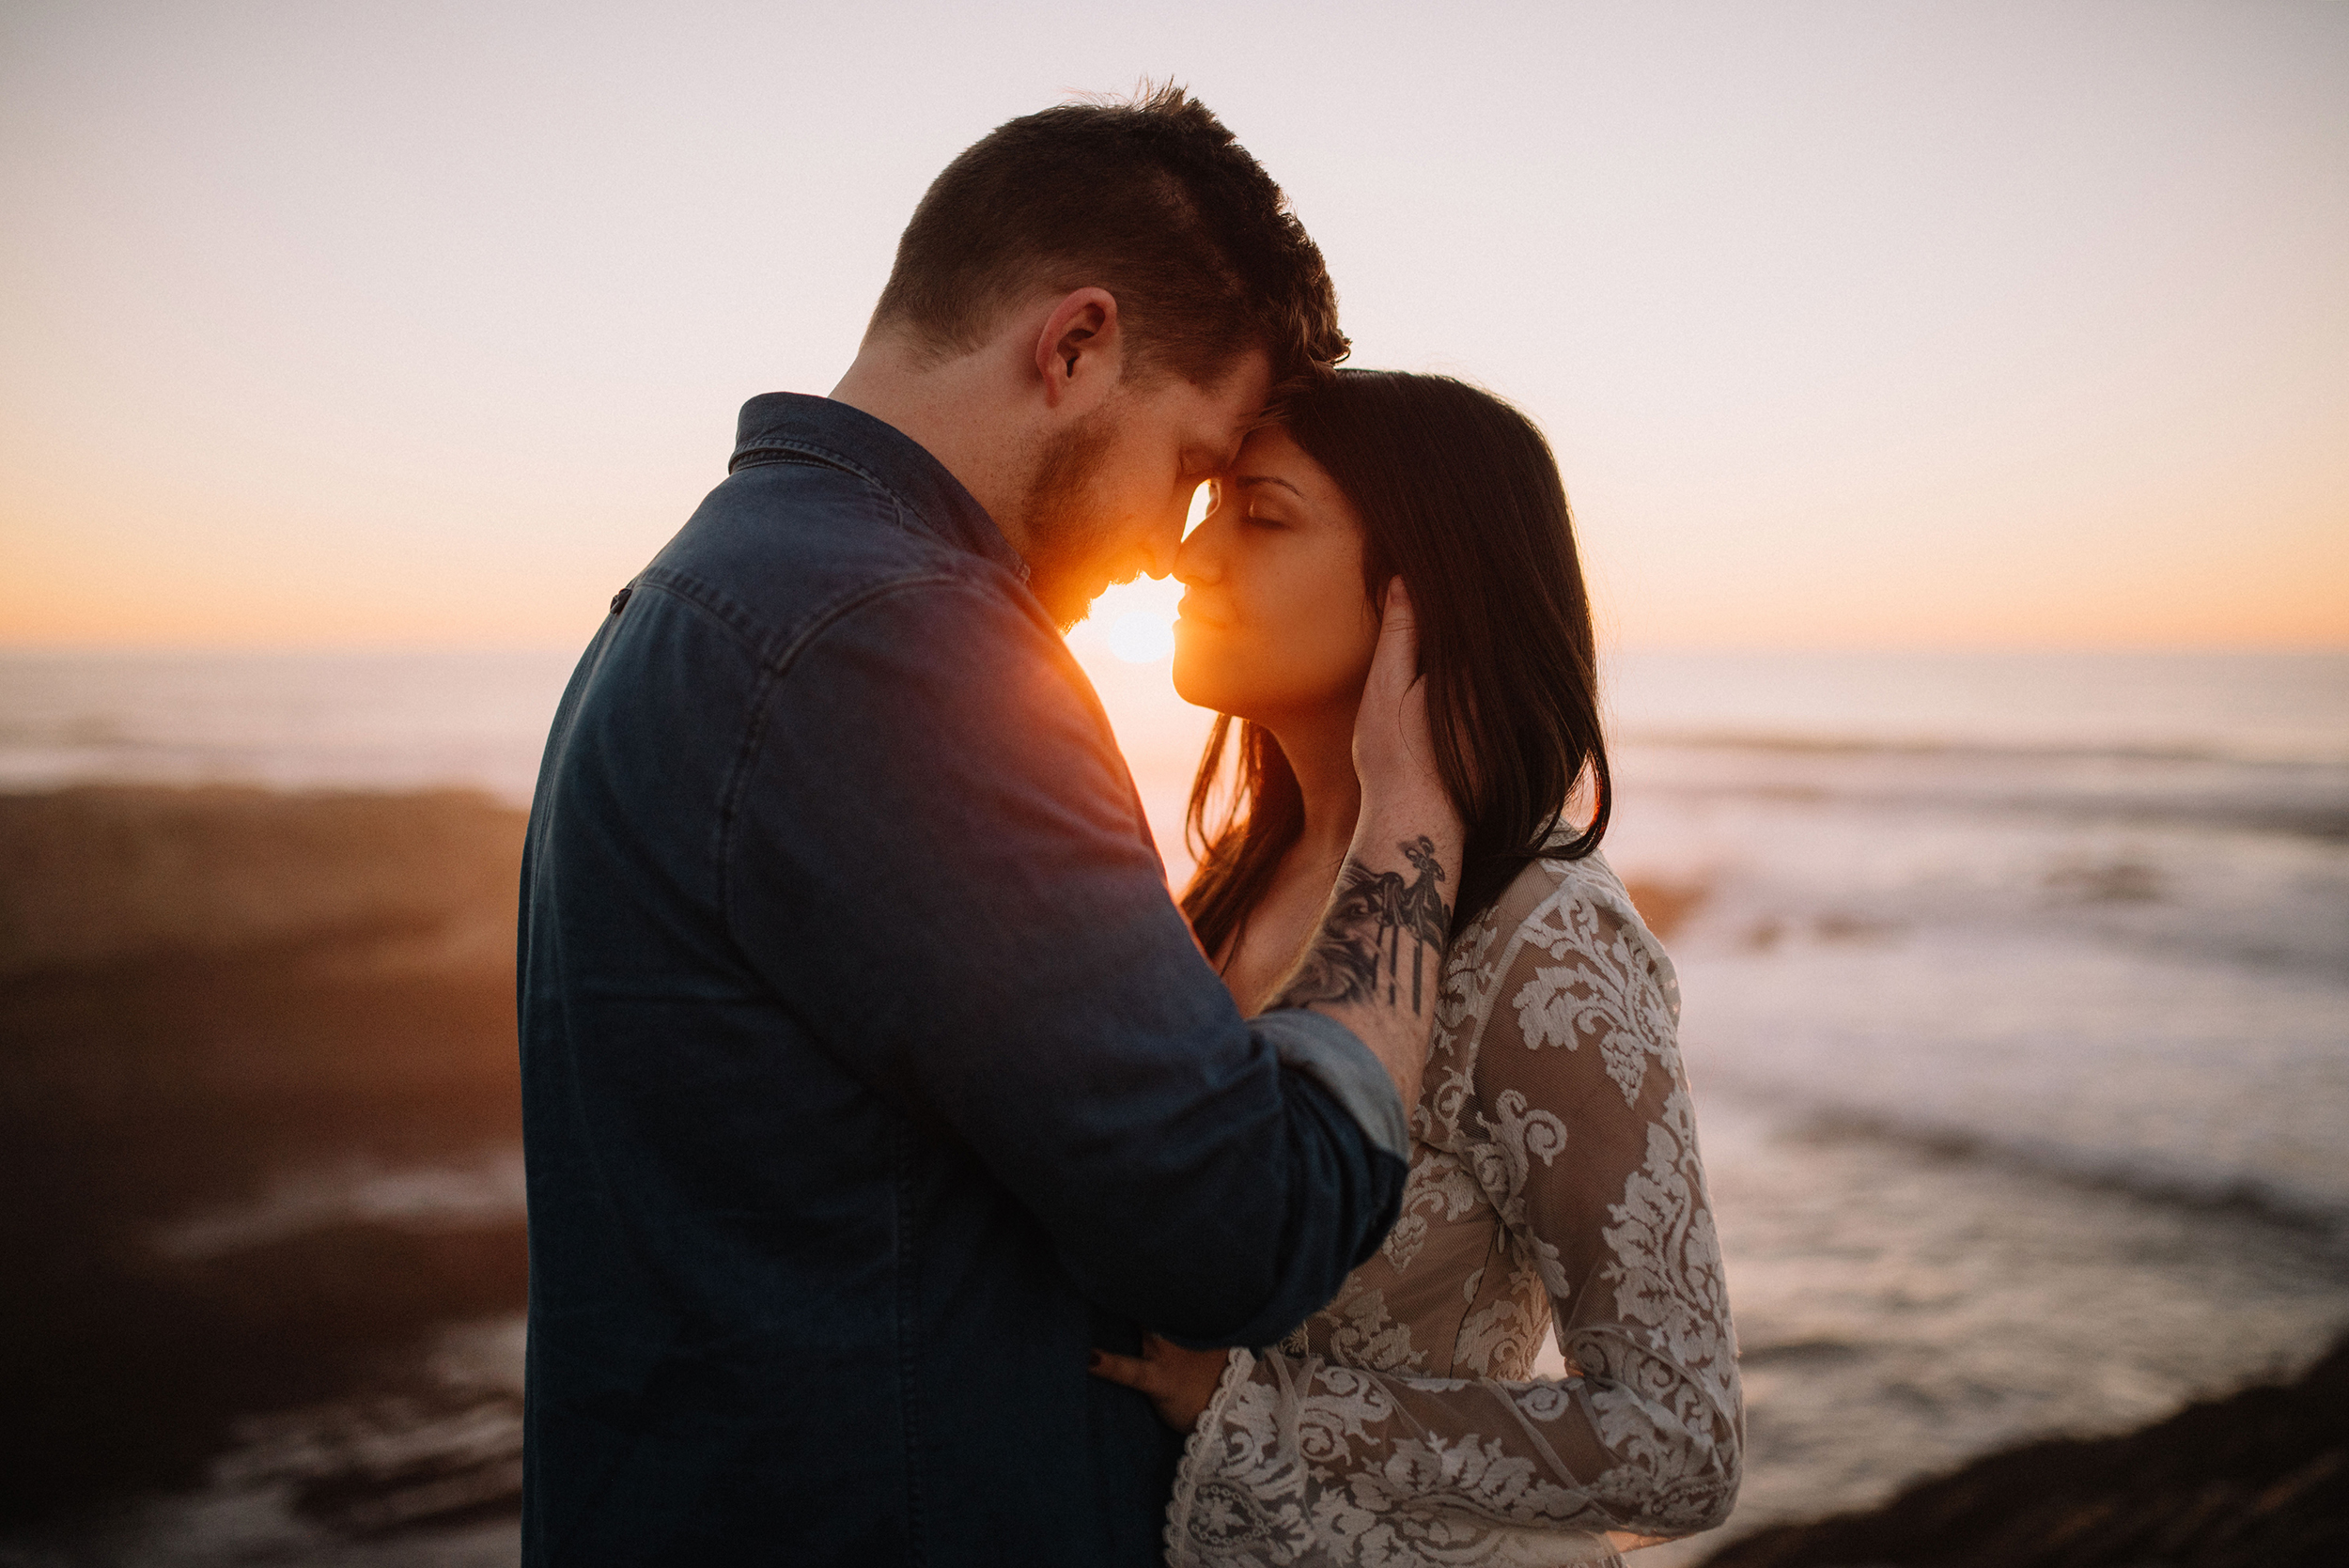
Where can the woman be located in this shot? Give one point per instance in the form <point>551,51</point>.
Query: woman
<point>1554,1176</point>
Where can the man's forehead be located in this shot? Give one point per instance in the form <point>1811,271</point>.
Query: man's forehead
<point>1213,420</point>
<point>1239,398</point>
<point>1250,379</point>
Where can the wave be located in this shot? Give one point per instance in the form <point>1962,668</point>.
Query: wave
<point>1840,745</point>
<point>2325,823</point>
<point>2134,787</point>
<point>2173,1181</point>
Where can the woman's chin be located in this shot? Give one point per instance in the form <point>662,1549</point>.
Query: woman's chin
<point>1188,682</point>
<point>1196,677</point>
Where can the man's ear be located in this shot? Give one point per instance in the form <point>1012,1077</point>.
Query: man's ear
<point>1081,351</point>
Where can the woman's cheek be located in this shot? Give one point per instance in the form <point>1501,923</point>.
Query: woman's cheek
<point>1230,670</point>
<point>1329,655</point>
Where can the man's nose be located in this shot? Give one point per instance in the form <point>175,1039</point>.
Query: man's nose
<point>1160,559</point>
<point>1162,547</point>
<point>1198,501</point>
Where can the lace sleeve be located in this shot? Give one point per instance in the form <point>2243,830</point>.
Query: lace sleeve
<point>1570,1111</point>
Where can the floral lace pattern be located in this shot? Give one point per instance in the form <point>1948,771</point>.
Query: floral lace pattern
<point>1555,1184</point>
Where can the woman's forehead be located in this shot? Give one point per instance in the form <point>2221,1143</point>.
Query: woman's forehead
<point>1272,457</point>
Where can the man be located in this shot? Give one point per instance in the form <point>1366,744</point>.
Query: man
<point>871,1080</point>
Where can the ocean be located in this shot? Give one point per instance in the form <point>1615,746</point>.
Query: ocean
<point>2018,1005</point>
<point>2016,1001</point>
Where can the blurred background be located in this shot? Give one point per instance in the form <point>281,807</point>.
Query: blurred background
<point>1953,398</point>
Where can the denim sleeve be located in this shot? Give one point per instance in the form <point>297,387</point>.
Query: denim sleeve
<point>937,858</point>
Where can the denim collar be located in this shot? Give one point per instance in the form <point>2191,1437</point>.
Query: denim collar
<point>778,426</point>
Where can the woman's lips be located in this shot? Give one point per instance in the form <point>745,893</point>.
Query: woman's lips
<point>1189,609</point>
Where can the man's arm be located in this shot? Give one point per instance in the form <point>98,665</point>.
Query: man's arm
<point>938,864</point>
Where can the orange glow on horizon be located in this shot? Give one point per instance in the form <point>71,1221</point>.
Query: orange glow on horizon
<point>1870,328</point>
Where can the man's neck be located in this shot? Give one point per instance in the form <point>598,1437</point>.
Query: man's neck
<point>952,409</point>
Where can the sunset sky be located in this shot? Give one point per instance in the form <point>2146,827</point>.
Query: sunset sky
<point>1853,325</point>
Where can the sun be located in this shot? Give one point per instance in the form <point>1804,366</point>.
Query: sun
<point>1135,621</point>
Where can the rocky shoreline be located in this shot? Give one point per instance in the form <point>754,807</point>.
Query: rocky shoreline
<point>2259,1479</point>
<point>232,1024</point>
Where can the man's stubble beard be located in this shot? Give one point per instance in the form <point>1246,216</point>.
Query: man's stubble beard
<point>1064,529</point>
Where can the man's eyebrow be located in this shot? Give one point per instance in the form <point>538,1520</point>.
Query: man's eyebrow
<point>1242,481</point>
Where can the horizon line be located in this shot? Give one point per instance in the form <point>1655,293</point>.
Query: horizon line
<point>63,647</point>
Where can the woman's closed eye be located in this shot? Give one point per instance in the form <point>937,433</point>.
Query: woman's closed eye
<point>1265,502</point>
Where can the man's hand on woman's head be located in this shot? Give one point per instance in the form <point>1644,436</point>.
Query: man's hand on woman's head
<point>1179,1382</point>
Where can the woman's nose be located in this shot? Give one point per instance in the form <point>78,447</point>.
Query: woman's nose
<point>1196,563</point>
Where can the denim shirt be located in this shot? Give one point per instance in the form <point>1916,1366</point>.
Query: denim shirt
<point>870,1078</point>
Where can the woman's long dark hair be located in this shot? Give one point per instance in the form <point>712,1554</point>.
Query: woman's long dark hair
<point>1459,496</point>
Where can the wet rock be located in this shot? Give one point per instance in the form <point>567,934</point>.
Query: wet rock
<point>2258,1480</point>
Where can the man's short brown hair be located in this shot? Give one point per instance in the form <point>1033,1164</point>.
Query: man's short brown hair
<point>1151,199</point>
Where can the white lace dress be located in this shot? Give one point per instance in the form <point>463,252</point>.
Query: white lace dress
<point>1554,1180</point>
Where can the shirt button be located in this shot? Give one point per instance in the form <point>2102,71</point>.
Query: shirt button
<point>620,600</point>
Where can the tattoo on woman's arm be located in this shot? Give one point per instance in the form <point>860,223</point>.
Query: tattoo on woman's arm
<point>1370,915</point>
